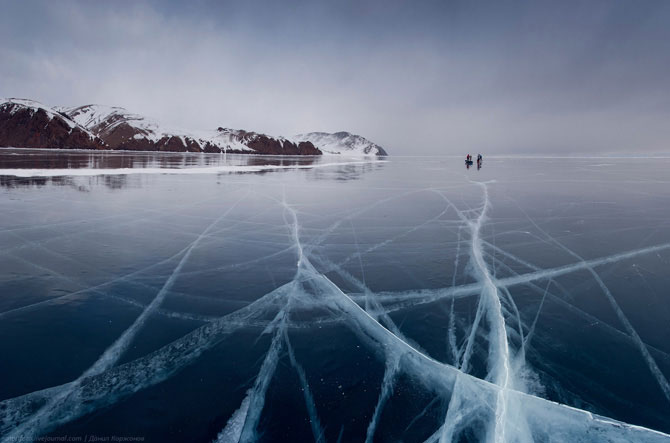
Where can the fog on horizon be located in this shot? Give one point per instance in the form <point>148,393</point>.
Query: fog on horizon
<point>421,78</point>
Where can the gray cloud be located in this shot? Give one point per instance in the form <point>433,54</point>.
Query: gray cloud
<point>418,78</point>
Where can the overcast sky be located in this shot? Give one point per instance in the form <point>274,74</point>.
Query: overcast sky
<point>416,77</point>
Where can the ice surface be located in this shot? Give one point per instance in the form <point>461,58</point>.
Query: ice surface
<point>338,302</point>
<point>176,171</point>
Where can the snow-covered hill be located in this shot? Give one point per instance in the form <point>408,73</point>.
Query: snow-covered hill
<point>107,121</point>
<point>14,105</point>
<point>121,129</point>
<point>342,143</point>
<point>30,124</point>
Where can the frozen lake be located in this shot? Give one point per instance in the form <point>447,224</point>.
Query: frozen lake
<point>301,299</point>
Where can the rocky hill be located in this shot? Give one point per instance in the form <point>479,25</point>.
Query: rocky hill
<point>120,129</point>
<point>342,143</point>
<point>30,124</point>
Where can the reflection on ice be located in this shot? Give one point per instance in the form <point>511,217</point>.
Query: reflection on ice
<point>117,170</point>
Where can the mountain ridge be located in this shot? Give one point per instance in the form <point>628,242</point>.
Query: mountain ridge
<point>29,124</point>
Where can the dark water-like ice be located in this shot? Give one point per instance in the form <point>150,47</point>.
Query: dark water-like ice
<point>333,299</point>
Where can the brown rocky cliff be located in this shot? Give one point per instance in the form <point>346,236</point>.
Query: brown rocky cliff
<point>29,128</point>
<point>29,124</point>
<point>266,145</point>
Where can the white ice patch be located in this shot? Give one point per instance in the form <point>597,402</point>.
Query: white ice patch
<point>173,171</point>
<point>233,430</point>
